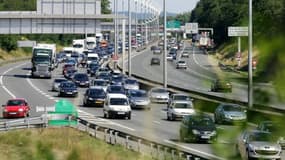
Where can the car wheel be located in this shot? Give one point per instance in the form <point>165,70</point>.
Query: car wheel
<point>105,116</point>
<point>129,116</point>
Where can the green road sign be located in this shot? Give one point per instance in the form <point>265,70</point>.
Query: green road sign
<point>173,24</point>
<point>65,114</point>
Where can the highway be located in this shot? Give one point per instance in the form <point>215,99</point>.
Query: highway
<point>15,82</point>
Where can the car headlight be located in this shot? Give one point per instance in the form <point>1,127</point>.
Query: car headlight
<point>21,110</point>
<point>194,131</point>
<point>90,98</point>
<point>214,132</point>
<point>228,116</point>
<point>5,110</point>
<point>75,91</point>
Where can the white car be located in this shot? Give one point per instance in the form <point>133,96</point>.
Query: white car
<point>169,57</point>
<point>179,109</point>
<point>117,105</point>
<point>159,95</point>
<point>131,84</point>
<point>181,64</point>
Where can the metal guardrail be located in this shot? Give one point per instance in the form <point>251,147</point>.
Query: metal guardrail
<point>139,144</point>
<point>35,122</point>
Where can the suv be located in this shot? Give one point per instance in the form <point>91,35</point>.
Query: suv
<point>117,105</point>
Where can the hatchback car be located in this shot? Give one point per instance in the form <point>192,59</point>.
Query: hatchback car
<point>181,64</point>
<point>130,84</point>
<point>68,89</point>
<point>275,128</point>
<point>258,145</point>
<point>157,50</point>
<point>138,99</point>
<point>230,113</point>
<point>94,96</point>
<point>16,108</point>
<point>56,83</point>
<point>99,83</point>
<point>185,54</point>
<point>179,109</point>
<point>81,79</point>
<point>221,85</point>
<point>104,75</point>
<point>155,61</point>
<point>117,79</point>
<point>198,127</point>
<point>159,95</point>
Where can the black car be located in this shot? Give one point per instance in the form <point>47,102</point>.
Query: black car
<point>81,79</point>
<point>105,76</point>
<point>94,96</point>
<point>221,86</point>
<point>68,74</point>
<point>155,60</point>
<point>68,89</point>
<point>115,89</point>
<point>197,128</point>
<point>92,65</point>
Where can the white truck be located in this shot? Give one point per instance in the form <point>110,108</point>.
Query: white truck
<point>79,45</point>
<point>68,51</point>
<point>48,49</point>
<point>99,37</point>
<point>90,43</point>
<point>92,57</point>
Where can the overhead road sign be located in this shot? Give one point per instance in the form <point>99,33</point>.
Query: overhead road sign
<point>173,25</point>
<point>237,31</point>
<point>191,28</point>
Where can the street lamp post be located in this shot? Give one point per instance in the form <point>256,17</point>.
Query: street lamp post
<point>165,49</point>
<point>130,38</point>
<point>250,92</point>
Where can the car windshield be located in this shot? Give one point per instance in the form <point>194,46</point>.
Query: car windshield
<point>131,81</point>
<point>182,105</point>
<point>42,59</point>
<point>232,108</point>
<point>68,85</point>
<point>118,101</point>
<point>96,92</point>
<point>181,61</point>
<point>138,94</point>
<point>116,88</point>
<point>181,97</point>
<point>100,83</point>
<point>159,90</point>
<point>117,78</point>
<point>260,137</point>
<point>15,102</point>
<point>77,46</point>
<point>59,80</point>
<point>81,77</point>
<point>202,121</point>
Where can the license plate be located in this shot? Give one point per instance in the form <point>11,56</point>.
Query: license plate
<point>82,83</point>
<point>205,137</point>
<point>99,102</point>
<point>42,75</point>
<point>13,113</point>
<point>69,92</point>
<point>121,112</point>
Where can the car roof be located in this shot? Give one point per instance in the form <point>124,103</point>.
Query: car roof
<point>22,99</point>
<point>116,95</point>
<point>179,94</point>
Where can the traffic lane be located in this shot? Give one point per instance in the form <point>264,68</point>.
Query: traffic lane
<point>177,77</point>
<point>17,82</point>
<point>151,124</point>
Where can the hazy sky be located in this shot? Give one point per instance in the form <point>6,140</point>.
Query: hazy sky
<point>173,6</point>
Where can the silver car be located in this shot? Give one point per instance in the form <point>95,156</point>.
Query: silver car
<point>99,83</point>
<point>159,95</point>
<point>258,145</point>
<point>230,113</point>
<point>181,64</point>
<point>179,97</point>
<point>56,83</point>
<point>131,84</point>
<point>138,99</point>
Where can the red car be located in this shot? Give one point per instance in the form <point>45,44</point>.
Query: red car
<point>16,108</point>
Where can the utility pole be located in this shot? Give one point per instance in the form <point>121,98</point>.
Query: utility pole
<point>130,39</point>
<point>250,92</point>
<point>165,49</point>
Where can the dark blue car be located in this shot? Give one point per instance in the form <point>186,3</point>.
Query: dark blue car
<point>68,89</point>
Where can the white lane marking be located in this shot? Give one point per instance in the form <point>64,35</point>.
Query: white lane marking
<point>156,122</point>
<point>1,80</point>
<point>195,60</point>
<point>194,150</point>
<point>39,90</point>
<point>102,121</point>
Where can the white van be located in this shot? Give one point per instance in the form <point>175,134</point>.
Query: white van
<point>92,57</point>
<point>117,105</point>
